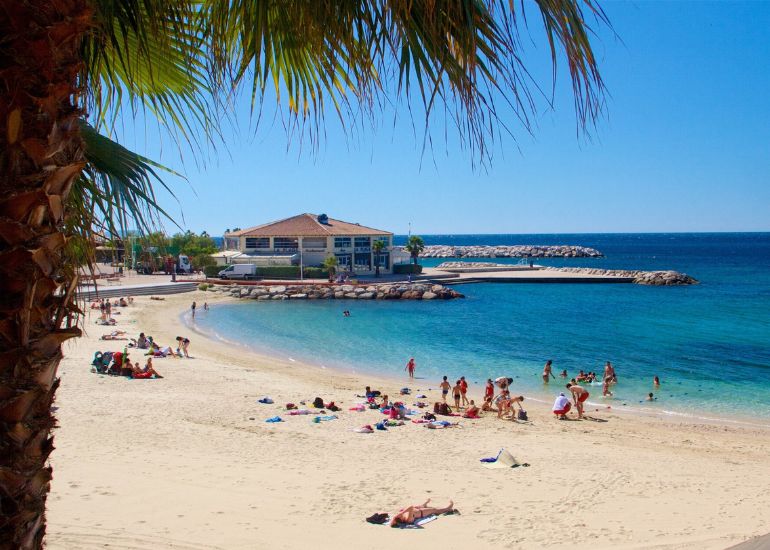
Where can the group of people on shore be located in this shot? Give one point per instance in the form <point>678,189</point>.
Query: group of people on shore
<point>106,308</point>
<point>119,362</point>
<point>498,398</point>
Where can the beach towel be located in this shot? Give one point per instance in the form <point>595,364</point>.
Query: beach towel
<point>504,459</point>
<point>358,408</point>
<point>394,423</point>
<point>297,412</point>
<point>422,396</point>
<point>364,429</point>
<point>266,401</point>
<point>274,419</point>
<point>324,418</point>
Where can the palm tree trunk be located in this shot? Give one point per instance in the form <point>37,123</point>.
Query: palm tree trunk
<point>40,157</point>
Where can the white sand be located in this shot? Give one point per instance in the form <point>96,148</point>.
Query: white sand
<point>179,463</point>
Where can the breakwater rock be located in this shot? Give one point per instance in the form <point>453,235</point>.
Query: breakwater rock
<point>515,251</point>
<point>473,265</point>
<point>654,278</point>
<point>379,291</point>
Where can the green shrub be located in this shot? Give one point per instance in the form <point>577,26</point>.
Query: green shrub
<point>212,270</point>
<point>316,273</point>
<point>279,272</point>
<point>404,269</point>
<point>203,286</point>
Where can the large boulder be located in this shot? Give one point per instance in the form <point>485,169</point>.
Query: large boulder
<point>428,296</point>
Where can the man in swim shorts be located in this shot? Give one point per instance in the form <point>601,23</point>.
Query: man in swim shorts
<point>445,387</point>
<point>579,396</point>
<point>561,406</point>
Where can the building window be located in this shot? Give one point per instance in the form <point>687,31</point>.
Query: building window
<point>362,262</point>
<point>385,239</point>
<point>257,242</point>
<point>383,260</point>
<point>343,260</point>
<point>363,242</point>
<point>314,242</point>
<point>342,242</point>
<point>285,243</point>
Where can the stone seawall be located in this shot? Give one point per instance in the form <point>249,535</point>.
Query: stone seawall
<point>654,278</point>
<point>380,291</point>
<point>516,251</point>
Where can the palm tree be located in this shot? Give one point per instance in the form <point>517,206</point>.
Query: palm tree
<point>330,263</point>
<point>66,62</point>
<point>415,246</point>
<point>377,247</point>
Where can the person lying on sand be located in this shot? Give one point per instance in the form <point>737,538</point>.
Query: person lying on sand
<point>115,335</point>
<point>145,372</point>
<point>472,411</point>
<point>407,516</point>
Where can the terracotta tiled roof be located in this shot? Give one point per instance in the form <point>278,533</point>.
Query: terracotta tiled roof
<point>306,225</point>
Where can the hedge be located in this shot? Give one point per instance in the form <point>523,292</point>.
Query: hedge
<point>276,272</point>
<point>213,270</point>
<point>404,269</point>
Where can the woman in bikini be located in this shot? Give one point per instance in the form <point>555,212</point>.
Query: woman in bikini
<point>407,516</point>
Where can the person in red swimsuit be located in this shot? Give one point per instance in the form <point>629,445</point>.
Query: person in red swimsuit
<point>464,390</point>
<point>410,367</point>
<point>579,395</point>
<point>489,395</point>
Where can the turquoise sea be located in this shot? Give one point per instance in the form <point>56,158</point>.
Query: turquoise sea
<point>709,343</point>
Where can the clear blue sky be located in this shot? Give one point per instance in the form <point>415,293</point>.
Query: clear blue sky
<point>684,145</point>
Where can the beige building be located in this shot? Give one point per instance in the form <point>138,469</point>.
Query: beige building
<point>308,239</point>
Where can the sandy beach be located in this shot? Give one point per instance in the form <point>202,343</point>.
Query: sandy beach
<point>188,461</point>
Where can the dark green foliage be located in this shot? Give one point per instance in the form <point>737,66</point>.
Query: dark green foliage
<point>404,269</point>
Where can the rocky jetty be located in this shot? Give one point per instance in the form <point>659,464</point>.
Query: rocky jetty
<point>516,251</point>
<point>380,291</point>
<point>654,278</point>
<point>473,265</point>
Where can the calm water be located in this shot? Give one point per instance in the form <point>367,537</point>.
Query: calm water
<point>709,344</point>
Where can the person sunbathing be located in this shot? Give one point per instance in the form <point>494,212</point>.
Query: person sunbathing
<point>472,411</point>
<point>115,335</point>
<point>407,516</point>
<point>146,372</point>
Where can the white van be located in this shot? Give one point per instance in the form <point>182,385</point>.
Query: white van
<point>184,265</point>
<point>239,271</point>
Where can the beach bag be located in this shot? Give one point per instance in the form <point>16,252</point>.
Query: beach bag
<point>445,410</point>
<point>522,415</point>
<point>377,519</point>
<point>436,408</point>
<point>429,416</point>
<point>318,403</point>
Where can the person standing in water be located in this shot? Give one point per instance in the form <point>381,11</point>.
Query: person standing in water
<point>192,307</point>
<point>547,374</point>
<point>410,367</point>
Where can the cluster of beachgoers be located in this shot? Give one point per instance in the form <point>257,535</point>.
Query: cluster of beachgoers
<point>119,363</point>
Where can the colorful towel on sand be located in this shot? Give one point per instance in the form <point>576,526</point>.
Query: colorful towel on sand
<point>274,419</point>
<point>266,401</point>
<point>318,419</point>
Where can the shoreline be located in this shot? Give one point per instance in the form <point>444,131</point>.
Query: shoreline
<point>188,462</point>
<point>541,397</point>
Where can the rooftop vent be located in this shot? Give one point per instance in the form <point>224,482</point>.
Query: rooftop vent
<point>323,219</point>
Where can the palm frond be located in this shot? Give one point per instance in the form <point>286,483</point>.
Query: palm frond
<point>149,55</point>
<point>116,189</point>
<point>462,54</point>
